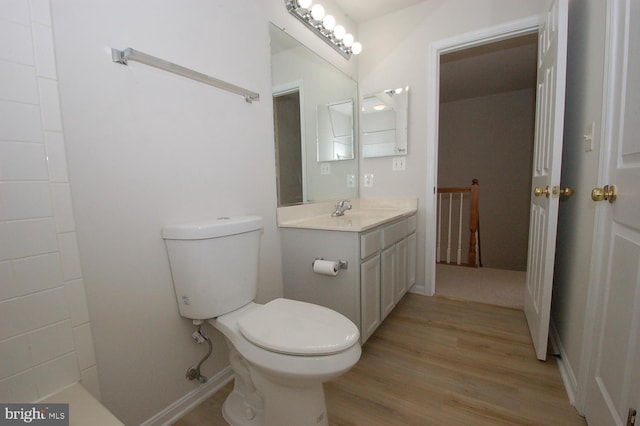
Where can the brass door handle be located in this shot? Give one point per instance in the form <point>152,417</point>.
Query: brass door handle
<point>566,192</point>
<point>608,193</point>
<point>542,191</point>
<point>548,191</point>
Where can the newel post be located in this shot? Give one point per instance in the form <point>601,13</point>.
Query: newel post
<point>474,225</point>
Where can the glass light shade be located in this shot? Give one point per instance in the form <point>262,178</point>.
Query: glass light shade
<point>329,22</point>
<point>339,32</point>
<point>317,12</point>
<point>356,48</point>
<point>304,3</point>
<point>347,40</point>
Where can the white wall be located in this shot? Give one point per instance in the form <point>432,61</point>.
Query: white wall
<point>45,334</point>
<point>396,56</point>
<point>584,102</point>
<point>146,148</point>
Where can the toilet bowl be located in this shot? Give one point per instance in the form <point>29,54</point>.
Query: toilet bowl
<point>280,352</point>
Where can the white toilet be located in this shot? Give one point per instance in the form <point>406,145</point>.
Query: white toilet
<point>281,352</point>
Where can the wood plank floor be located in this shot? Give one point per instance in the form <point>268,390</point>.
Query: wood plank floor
<point>438,361</point>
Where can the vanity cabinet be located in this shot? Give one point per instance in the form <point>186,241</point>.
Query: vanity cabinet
<point>397,251</point>
<point>380,269</point>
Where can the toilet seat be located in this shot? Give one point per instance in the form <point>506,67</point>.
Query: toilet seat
<point>298,328</point>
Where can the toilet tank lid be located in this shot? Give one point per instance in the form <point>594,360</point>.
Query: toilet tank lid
<point>212,228</point>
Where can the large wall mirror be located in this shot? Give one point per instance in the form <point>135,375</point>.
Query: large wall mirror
<point>384,122</point>
<point>314,107</point>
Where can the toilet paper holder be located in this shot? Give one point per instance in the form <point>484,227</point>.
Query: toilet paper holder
<point>342,264</point>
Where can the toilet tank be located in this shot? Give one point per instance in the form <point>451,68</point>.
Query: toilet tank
<point>214,264</point>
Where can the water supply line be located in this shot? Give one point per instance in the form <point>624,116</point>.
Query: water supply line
<point>199,336</point>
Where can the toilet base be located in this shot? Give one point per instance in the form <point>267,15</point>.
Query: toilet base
<point>243,406</point>
<point>236,412</point>
<point>300,404</point>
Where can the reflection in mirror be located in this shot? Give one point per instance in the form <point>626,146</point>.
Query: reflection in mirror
<point>286,108</point>
<point>335,131</point>
<point>384,121</point>
<point>324,94</point>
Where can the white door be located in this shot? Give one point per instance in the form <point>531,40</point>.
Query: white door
<point>614,386</point>
<point>547,157</point>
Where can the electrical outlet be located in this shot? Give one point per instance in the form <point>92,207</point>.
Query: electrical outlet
<point>325,168</point>
<point>398,164</point>
<point>351,181</point>
<point>368,180</point>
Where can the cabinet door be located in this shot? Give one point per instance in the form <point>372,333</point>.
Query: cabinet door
<point>388,284</point>
<point>369,297</point>
<point>401,269</point>
<point>411,260</point>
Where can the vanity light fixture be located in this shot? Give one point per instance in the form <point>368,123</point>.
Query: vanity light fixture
<point>313,16</point>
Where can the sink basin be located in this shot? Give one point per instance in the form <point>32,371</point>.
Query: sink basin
<point>357,221</point>
<point>362,215</point>
<point>365,214</point>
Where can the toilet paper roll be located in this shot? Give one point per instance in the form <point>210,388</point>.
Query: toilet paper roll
<point>325,267</point>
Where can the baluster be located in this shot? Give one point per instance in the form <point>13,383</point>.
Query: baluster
<point>474,223</point>
<point>459,254</point>
<point>439,238</point>
<point>449,230</point>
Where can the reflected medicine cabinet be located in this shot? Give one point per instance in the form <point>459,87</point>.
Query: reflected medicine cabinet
<point>384,122</point>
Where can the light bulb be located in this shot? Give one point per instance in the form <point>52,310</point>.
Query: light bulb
<point>329,22</point>
<point>304,3</point>
<point>347,40</point>
<point>356,48</point>
<point>339,32</point>
<point>317,12</point>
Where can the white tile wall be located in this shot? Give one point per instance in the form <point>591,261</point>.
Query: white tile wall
<point>23,161</point>
<point>45,334</point>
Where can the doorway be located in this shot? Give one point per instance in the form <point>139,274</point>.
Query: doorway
<point>486,132</point>
<point>288,146</point>
<point>462,50</point>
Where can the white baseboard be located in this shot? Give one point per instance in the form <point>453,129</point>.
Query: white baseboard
<point>566,372</point>
<point>417,289</point>
<point>179,408</point>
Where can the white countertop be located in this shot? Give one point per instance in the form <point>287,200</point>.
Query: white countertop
<point>365,214</point>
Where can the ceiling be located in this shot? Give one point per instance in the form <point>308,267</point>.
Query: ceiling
<point>498,67</point>
<point>365,10</point>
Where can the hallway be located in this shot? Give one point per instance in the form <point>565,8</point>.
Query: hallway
<point>485,285</point>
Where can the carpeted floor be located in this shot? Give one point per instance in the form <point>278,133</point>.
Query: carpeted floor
<point>494,286</point>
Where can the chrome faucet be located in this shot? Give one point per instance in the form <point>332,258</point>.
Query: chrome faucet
<point>341,206</point>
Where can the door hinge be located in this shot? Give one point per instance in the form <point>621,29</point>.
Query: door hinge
<point>631,418</point>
